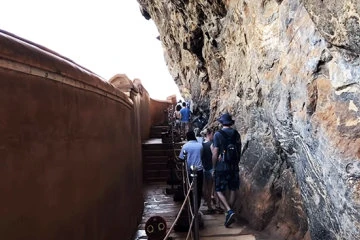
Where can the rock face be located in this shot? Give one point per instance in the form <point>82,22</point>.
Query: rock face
<point>289,72</point>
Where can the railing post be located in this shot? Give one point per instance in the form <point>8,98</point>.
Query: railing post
<point>184,171</point>
<point>195,202</point>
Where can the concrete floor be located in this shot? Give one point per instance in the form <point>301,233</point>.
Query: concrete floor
<point>158,203</point>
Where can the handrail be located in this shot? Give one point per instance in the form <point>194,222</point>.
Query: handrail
<point>177,216</point>
<point>188,187</point>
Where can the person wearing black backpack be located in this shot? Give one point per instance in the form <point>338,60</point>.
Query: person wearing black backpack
<point>225,160</point>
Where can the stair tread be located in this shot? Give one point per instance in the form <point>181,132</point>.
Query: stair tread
<point>157,170</point>
<point>156,156</point>
<point>156,165</point>
<point>155,160</point>
<point>160,126</point>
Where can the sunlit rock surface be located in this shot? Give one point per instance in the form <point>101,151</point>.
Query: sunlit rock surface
<point>289,71</point>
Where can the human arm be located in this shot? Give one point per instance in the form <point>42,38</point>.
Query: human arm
<point>214,158</point>
<point>238,143</point>
<point>182,154</point>
<point>215,149</point>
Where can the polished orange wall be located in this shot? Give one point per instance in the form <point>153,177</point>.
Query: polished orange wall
<point>69,150</point>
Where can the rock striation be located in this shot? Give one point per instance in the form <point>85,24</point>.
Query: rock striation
<point>289,72</point>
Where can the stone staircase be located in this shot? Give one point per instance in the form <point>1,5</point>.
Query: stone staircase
<point>158,157</point>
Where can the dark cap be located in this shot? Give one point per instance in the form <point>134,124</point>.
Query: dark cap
<point>226,119</point>
<point>190,135</point>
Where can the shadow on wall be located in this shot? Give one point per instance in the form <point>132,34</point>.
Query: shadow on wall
<point>159,110</point>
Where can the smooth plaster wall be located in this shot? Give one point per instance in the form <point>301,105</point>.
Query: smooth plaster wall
<point>159,112</point>
<point>68,169</point>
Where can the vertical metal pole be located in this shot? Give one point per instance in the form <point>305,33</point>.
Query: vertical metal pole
<point>185,174</point>
<point>195,198</point>
<point>186,186</point>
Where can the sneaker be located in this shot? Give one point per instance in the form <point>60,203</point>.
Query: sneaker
<point>230,218</point>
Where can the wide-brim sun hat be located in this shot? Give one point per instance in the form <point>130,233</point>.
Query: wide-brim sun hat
<point>226,119</point>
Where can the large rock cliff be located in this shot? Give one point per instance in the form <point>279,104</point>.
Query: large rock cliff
<point>289,73</point>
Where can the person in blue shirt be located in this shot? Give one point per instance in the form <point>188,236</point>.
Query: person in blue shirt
<point>194,151</point>
<point>185,118</point>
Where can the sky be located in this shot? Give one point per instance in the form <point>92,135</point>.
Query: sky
<point>107,37</point>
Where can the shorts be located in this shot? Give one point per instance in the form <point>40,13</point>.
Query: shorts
<point>207,175</point>
<point>177,123</point>
<point>226,180</point>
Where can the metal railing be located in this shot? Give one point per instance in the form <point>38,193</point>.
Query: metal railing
<point>193,211</point>
<point>171,121</point>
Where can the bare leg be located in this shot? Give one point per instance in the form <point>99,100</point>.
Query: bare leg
<point>209,187</point>
<point>206,191</point>
<point>232,198</point>
<point>223,200</point>
<point>187,128</point>
<point>182,129</point>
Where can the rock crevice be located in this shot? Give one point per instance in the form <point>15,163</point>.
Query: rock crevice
<point>289,73</point>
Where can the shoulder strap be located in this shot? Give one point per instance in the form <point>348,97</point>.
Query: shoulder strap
<point>224,134</point>
<point>228,137</point>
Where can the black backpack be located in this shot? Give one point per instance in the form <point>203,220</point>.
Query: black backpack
<point>230,152</point>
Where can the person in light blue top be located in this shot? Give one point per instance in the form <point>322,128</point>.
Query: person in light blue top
<point>194,151</point>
